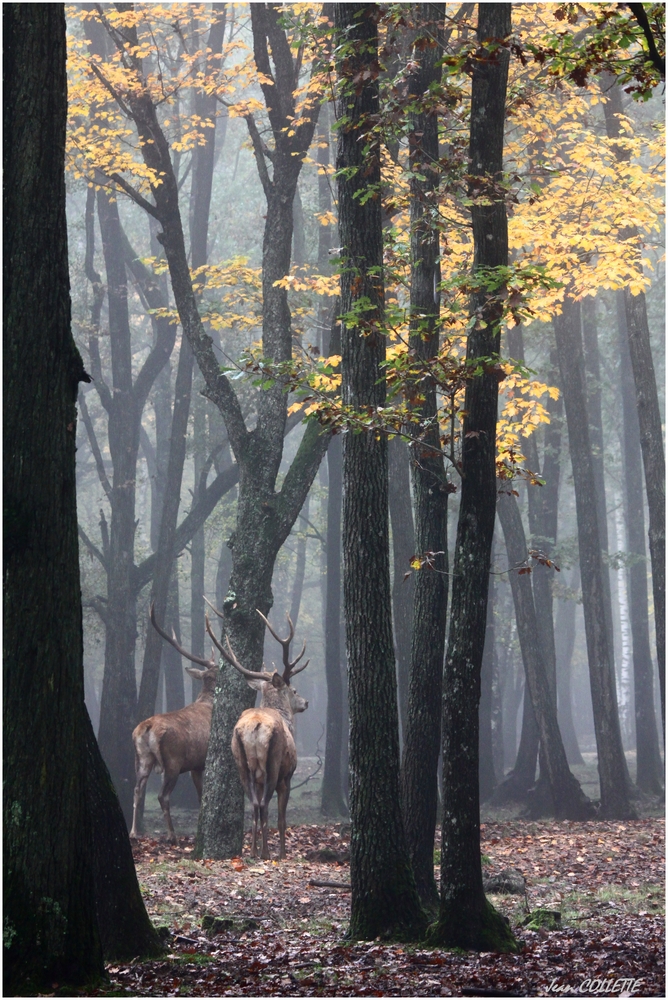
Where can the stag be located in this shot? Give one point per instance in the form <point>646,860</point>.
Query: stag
<point>263,742</point>
<point>175,742</point>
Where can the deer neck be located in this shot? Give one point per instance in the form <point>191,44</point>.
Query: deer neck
<point>271,698</point>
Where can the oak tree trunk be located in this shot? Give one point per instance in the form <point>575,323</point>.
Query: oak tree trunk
<point>384,898</point>
<point>466,919</point>
<point>422,729</point>
<point>54,901</point>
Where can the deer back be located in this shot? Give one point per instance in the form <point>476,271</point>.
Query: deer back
<point>178,740</point>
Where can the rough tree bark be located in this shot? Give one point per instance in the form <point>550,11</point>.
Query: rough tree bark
<point>466,919</point>
<point>422,728</point>
<point>384,898</point>
<point>486,773</point>
<point>612,769</point>
<point>51,911</point>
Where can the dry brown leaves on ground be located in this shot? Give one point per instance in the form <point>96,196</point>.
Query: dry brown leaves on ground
<point>285,934</point>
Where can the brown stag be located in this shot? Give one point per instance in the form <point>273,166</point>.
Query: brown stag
<point>175,742</point>
<point>263,742</point>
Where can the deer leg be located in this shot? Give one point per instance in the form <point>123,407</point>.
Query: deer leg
<point>256,820</point>
<point>282,794</point>
<point>163,798</point>
<point>264,817</point>
<point>142,771</point>
<point>197,777</point>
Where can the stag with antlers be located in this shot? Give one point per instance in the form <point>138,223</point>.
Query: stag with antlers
<point>175,742</point>
<point>263,742</point>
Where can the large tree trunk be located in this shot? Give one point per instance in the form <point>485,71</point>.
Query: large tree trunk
<point>125,928</point>
<point>422,730</point>
<point>649,419</point>
<point>384,898</point>
<point>568,799</point>
<point>264,517</point>
<point>612,769</point>
<point>466,919</point>
<point>51,929</point>
<point>649,772</point>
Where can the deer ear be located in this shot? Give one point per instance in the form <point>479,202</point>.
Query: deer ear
<point>277,681</point>
<point>194,672</point>
<point>256,685</point>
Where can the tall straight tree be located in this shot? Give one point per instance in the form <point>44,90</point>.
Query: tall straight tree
<point>649,771</point>
<point>422,731</point>
<point>649,414</point>
<point>612,768</point>
<point>51,930</point>
<point>384,897</point>
<point>70,888</point>
<point>466,919</point>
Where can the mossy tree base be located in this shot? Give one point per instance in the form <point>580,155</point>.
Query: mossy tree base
<point>475,929</point>
<point>390,921</point>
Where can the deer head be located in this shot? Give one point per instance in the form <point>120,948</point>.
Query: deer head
<point>276,689</point>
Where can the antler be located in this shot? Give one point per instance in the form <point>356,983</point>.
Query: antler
<point>229,656</point>
<point>289,665</point>
<point>172,640</point>
<point>219,613</point>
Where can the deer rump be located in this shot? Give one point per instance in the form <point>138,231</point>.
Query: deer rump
<point>171,743</point>
<point>266,756</point>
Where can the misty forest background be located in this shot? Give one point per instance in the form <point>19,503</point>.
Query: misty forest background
<point>558,154</point>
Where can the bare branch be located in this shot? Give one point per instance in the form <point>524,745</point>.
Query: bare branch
<point>93,548</point>
<point>95,448</point>
<point>258,150</point>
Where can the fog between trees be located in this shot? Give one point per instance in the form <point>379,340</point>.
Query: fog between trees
<point>492,304</point>
<point>230,233</point>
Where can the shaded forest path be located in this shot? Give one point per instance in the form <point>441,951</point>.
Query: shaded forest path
<point>283,932</point>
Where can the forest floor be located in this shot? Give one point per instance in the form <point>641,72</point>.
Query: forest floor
<point>282,924</point>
